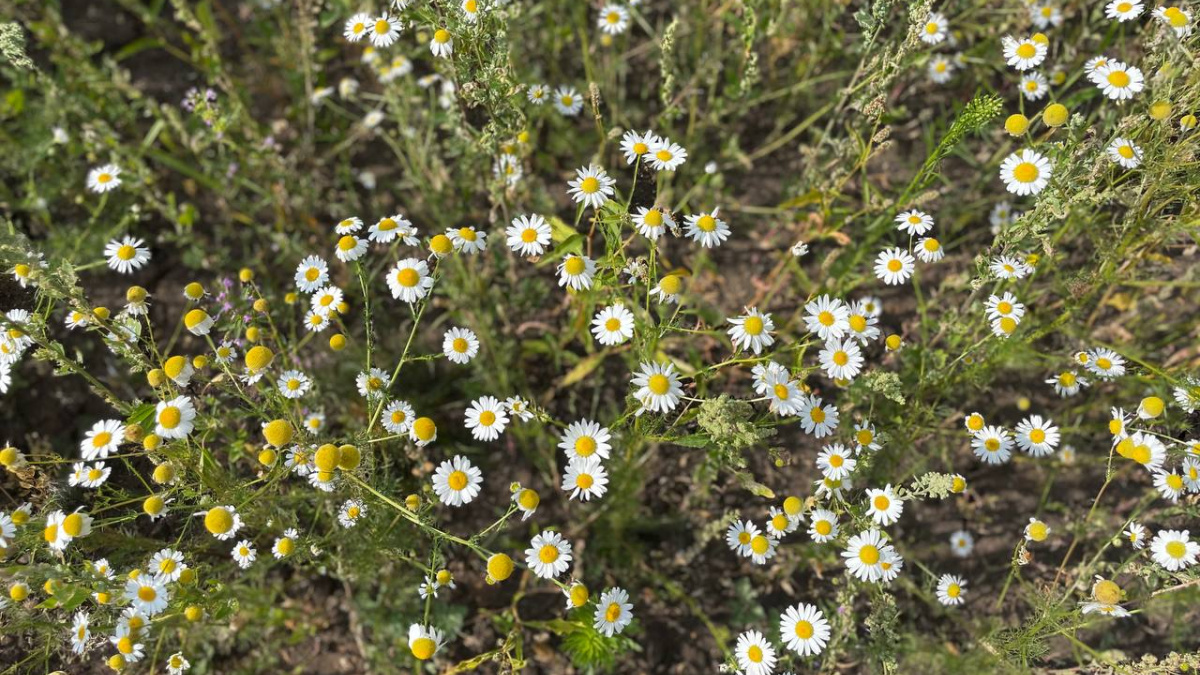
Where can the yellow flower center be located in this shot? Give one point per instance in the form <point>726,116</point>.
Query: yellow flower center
<point>759,544</point>
<point>584,481</point>
<point>1176,549</point>
<point>460,345</point>
<point>548,554</point>
<point>1125,151</point>
<point>589,185</point>
<point>126,252</point>
<point>457,480</point>
<point>574,266</point>
<point>612,324</point>
<point>104,178</point>
<point>658,384</point>
<point>441,36</point>
<point>612,613</point>
<point>1026,172</point>
<point>147,594</point>
<point>882,503</point>
<point>529,235</point>
<point>992,444</point>
<point>706,223</point>
<point>423,648</point>
<point>931,28</point>
<point>753,325</point>
<point>1037,436</point>
<point>1118,79</point>
<point>836,461</point>
<point>781,392</point>
<point>670,284</point>
<point>823,527</point>
<point>755,653</point>
<point>585,446</point>
<point>170,417</point>
<point>894,265</point>
<point>487,418</point>
<point>1026,51</point>
<point>953,590</point>
<point>817,415</point>
<point>467,233</point>
<point>841,358</point>
<point>868,554</point>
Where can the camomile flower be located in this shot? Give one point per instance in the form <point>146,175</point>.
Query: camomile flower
<point>1045,15</point>
<point>1124,152</point>
<point>548,555</point>
<point>357,27</point>
<point>762,548</point>
<point>829,488</point>
<point>456,482</point>
<point>127,646</point>
<point>780,523</point>
<point>177,664</point>
<point>785,396</point>
<point>818,420</point>
<point>174,418</point>
<point>508,167</point>
<point>527,501</point>
<point>76,319</point>
<point>424,641</point>
<point>126,254</point>
<point>1036,530</point>
<point>222,522</point>
<point>351,511</point>
<point>668,288</point>
<point>1173,550</point>
<point>95,475</point>
<point>1124,10</point>
<point>651,223</point>
<point>470,9</point>
<point>841,359</point>
<point>1136,534</point>
<point>767,374</point>
<point>167,564</point>
<point>935,29</point>
<point>316,321</point>
<point>1191,474</point>
<point>528,235</point>
<point>80,634</point>
<point>104,178</point>
<point>350,248</point>
<point>591,186</point>
<point>409,280</point>
<point>940,69</point>
<point>1169,484</point>
<point>1105,363</point>
<point>1024,54</point>
<point>752,331</point>
<point>894,266</point>
<point>822,525</point>
<point>755,656</point>
<point>635,145</point>
<point>518,408</point>
<point>865,438</point>
<point>1068,383</point>
<point>486,418</point>
<point>863,554</point>
<point>950,589</point>
<point>102,439</point>
<point>312,274</point>
<point>326,300</point>
<point>244,553</point>
<point>930,250</point>
<point>1177,18</point>
<point>739,535</point>
<point>666,156</point>
<point>962,543</point>
<point>1092,67</point>
<point>460,345</point>
<point>828,317</point>
<point>890,565</point>
<point>804,629</point>
<point>657,387</point>
<point>348,225</point>
<point>884,506</point>
<point>567,101</point>
<point>467,239</point>
<point>613,325</point>
<point>389,227</point>
<point>147,594</point>
<point>613,612</point>
<point>1025,172</point>
<point>1002,306</point>
<point>398,417</point>
<point>1143,449</point>
<point>585,477</point>
<point>835,461</point>
<point>576,272</point>
<point>914,222</point>
<point>992,445</point>
<point>1119,81</point>
<point>1008,267</point>
<point>442,44</point>
<point>614,19</point>
<point>372,383</point>
<point>1036,436</point>
<point>706,229</point>
<point>1034,86</point>
<point>385,30</point>
<point>293,384</point>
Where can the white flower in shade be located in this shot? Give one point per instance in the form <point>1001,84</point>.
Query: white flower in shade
<point>167,564</point>
<point>613,325</point>
<point>1005,326</point>
<point>357,27</point>
<point>1122,151</point>
<point>385,30</point>
<point>884,506</point>
<point>528,235</point>
<point>829,488</point>
<point>804,629</point>
<point>104,178</point>
<point>293,384</point>
<point>835,461</point>
<point>754,654</point>
<point>398,417</point>
<point>739,535</point>
<point>1045,15</point>
<point>102,439</point>
<point>962,543</point>
<point>935,29</point>
<point>467,239</point>
<point>126,254</point>
<point>537,93</point>
<point>316,321</point>
<point>828,317</point>
<point>442,44</point>
<point>841,359</point>
<point>486,418</point>
<point>527,501</point>
<point>651,223</point>
<point>568,101</point>
<point>894,266</point>
<point>613,612</point>
<point>1174,550</point>
<point>1037,436</point>
<point>992,445</point>
<point>656,386</point>
<point>863,555</point>
<point>456,482</point>
<point>1024,54</point>
<point>767,374</point>
<point>548,555</point>
<point>591,186</point>
<point>1119,81</point>
<point>752,331</point>
<point>147,594</point>
<point>1136,534</point>
<point>174,418</point>
<point>351,511</point>
<point>312,274</point>
<point>818,420</point>
<point>706,229</point>
<point>784,395</point>
<point>950,589</point>
<point>460,345</point>
<point>95,475</point>
<point>822,525</point>
<point>635,145</point>
<point>585,477</point>
<point>576,272</point>
<point>914,222</point>
<point>666,156</point>
<point>940,68</point>
<point>350,248</point>
<point>614,19</point>
<point>244,553</point>
<point>409,280</point>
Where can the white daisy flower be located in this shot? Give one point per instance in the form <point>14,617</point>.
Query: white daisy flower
<point>1173,550</point>
<point>950,589</point>
<point>822,525</point>
<point>591,186</point>
<point>467,239</point>
<point>398,417</point>
<point>486,418</point>
<point>586,478</point>
<point>568,101</point>
<point>104,178</point>
<point>992,445</point>
<point>706,229</point>
<point>635,145</point>
<point>752,331</point>
<point>828,317</point>
<point>894,266</point>
<point>613,325</point>
<point>126,254</point>
<point>357,27</point>
<point>935,29</point>
<point>244,553</point>
<point>835,461</point>
<point>1025,172</point>
<point>1124,10</point>
<point>456,482</point>
<point>576,272</point>
<point>460,345</point>
<point>528,235</point>
<point>755,656</point>
<point>613,612</point>
<point>666,156</point>
<point>841,359</point>
<point>385,30</point>
<point>174,418</point>
<point>147,594</point>
<point>884,506</point>
<point>818,420</point>
<point>1034,86</point>
<point>350,248</point>
<point>863,554</point>
<point>657,387</point>
<point>962,543</point>
<point>914,222</point>
<point>350,512</point>
<point>1119,81</point>
<point>102,439</point>
<point>1036,436</point>
<point>409,280</point>
<point>1125,152</point>
<point>1023,54</point>
<point>293,384</point>
<point>1136,534</point>
<point>548,555</point>
<point>442,44</point>
<point>312,274</point>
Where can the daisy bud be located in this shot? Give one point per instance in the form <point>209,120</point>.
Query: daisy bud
<point>193,291</point>
<point>193,613</point>
<point>1016,124</point>
<point>153,505</point>
<point>291,298</point>
<point>198,322</point>
<point>499,567</point>
<point>260,305</point>
<point>412,502</point>
<point>267,457</point>
<point>1160,110</point>
<point>441,245</point>
<point>246,275</point>
<point>18,592</point>
<point>1055,115</point>
<point>156,377</point>
<point>893,342</point>
<point>136,294</point>
<point>337,342</point>
<point>101,313</point>
<point>258,357</point>
<point>152,442</point>
<point>279,433</point>
<point>350,458</point>
<point>163,473</point>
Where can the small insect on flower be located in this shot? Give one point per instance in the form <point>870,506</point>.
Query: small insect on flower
<point>1025,172</point>
<point>950,589</point>
<point>567,101</point>
<point>104,178</point>
<point>460,345</point>
<point>1119,81</point>
<point>1024,54</point>
<point>657,387</point>
<point>613,612</point>
<point>755,656</point>
<point>613,19</point>
<point>1125,153</point>
<point>548,555</point>
<point>456,482</point>
<point>528,235</point>
<point>126,254</point>
<point>1174,550</point>
<point>935,29</point>
<point>894,266</point>
<point>752,331</point>
<point>586,478</point>
<point>706,229</point>
<point>992,445</point>
<point>486,418</point>
<point>576,272</point>
<point>884,506</point>
<point>409,280</point>
<point>385,30</point>
<point>613,325</point>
